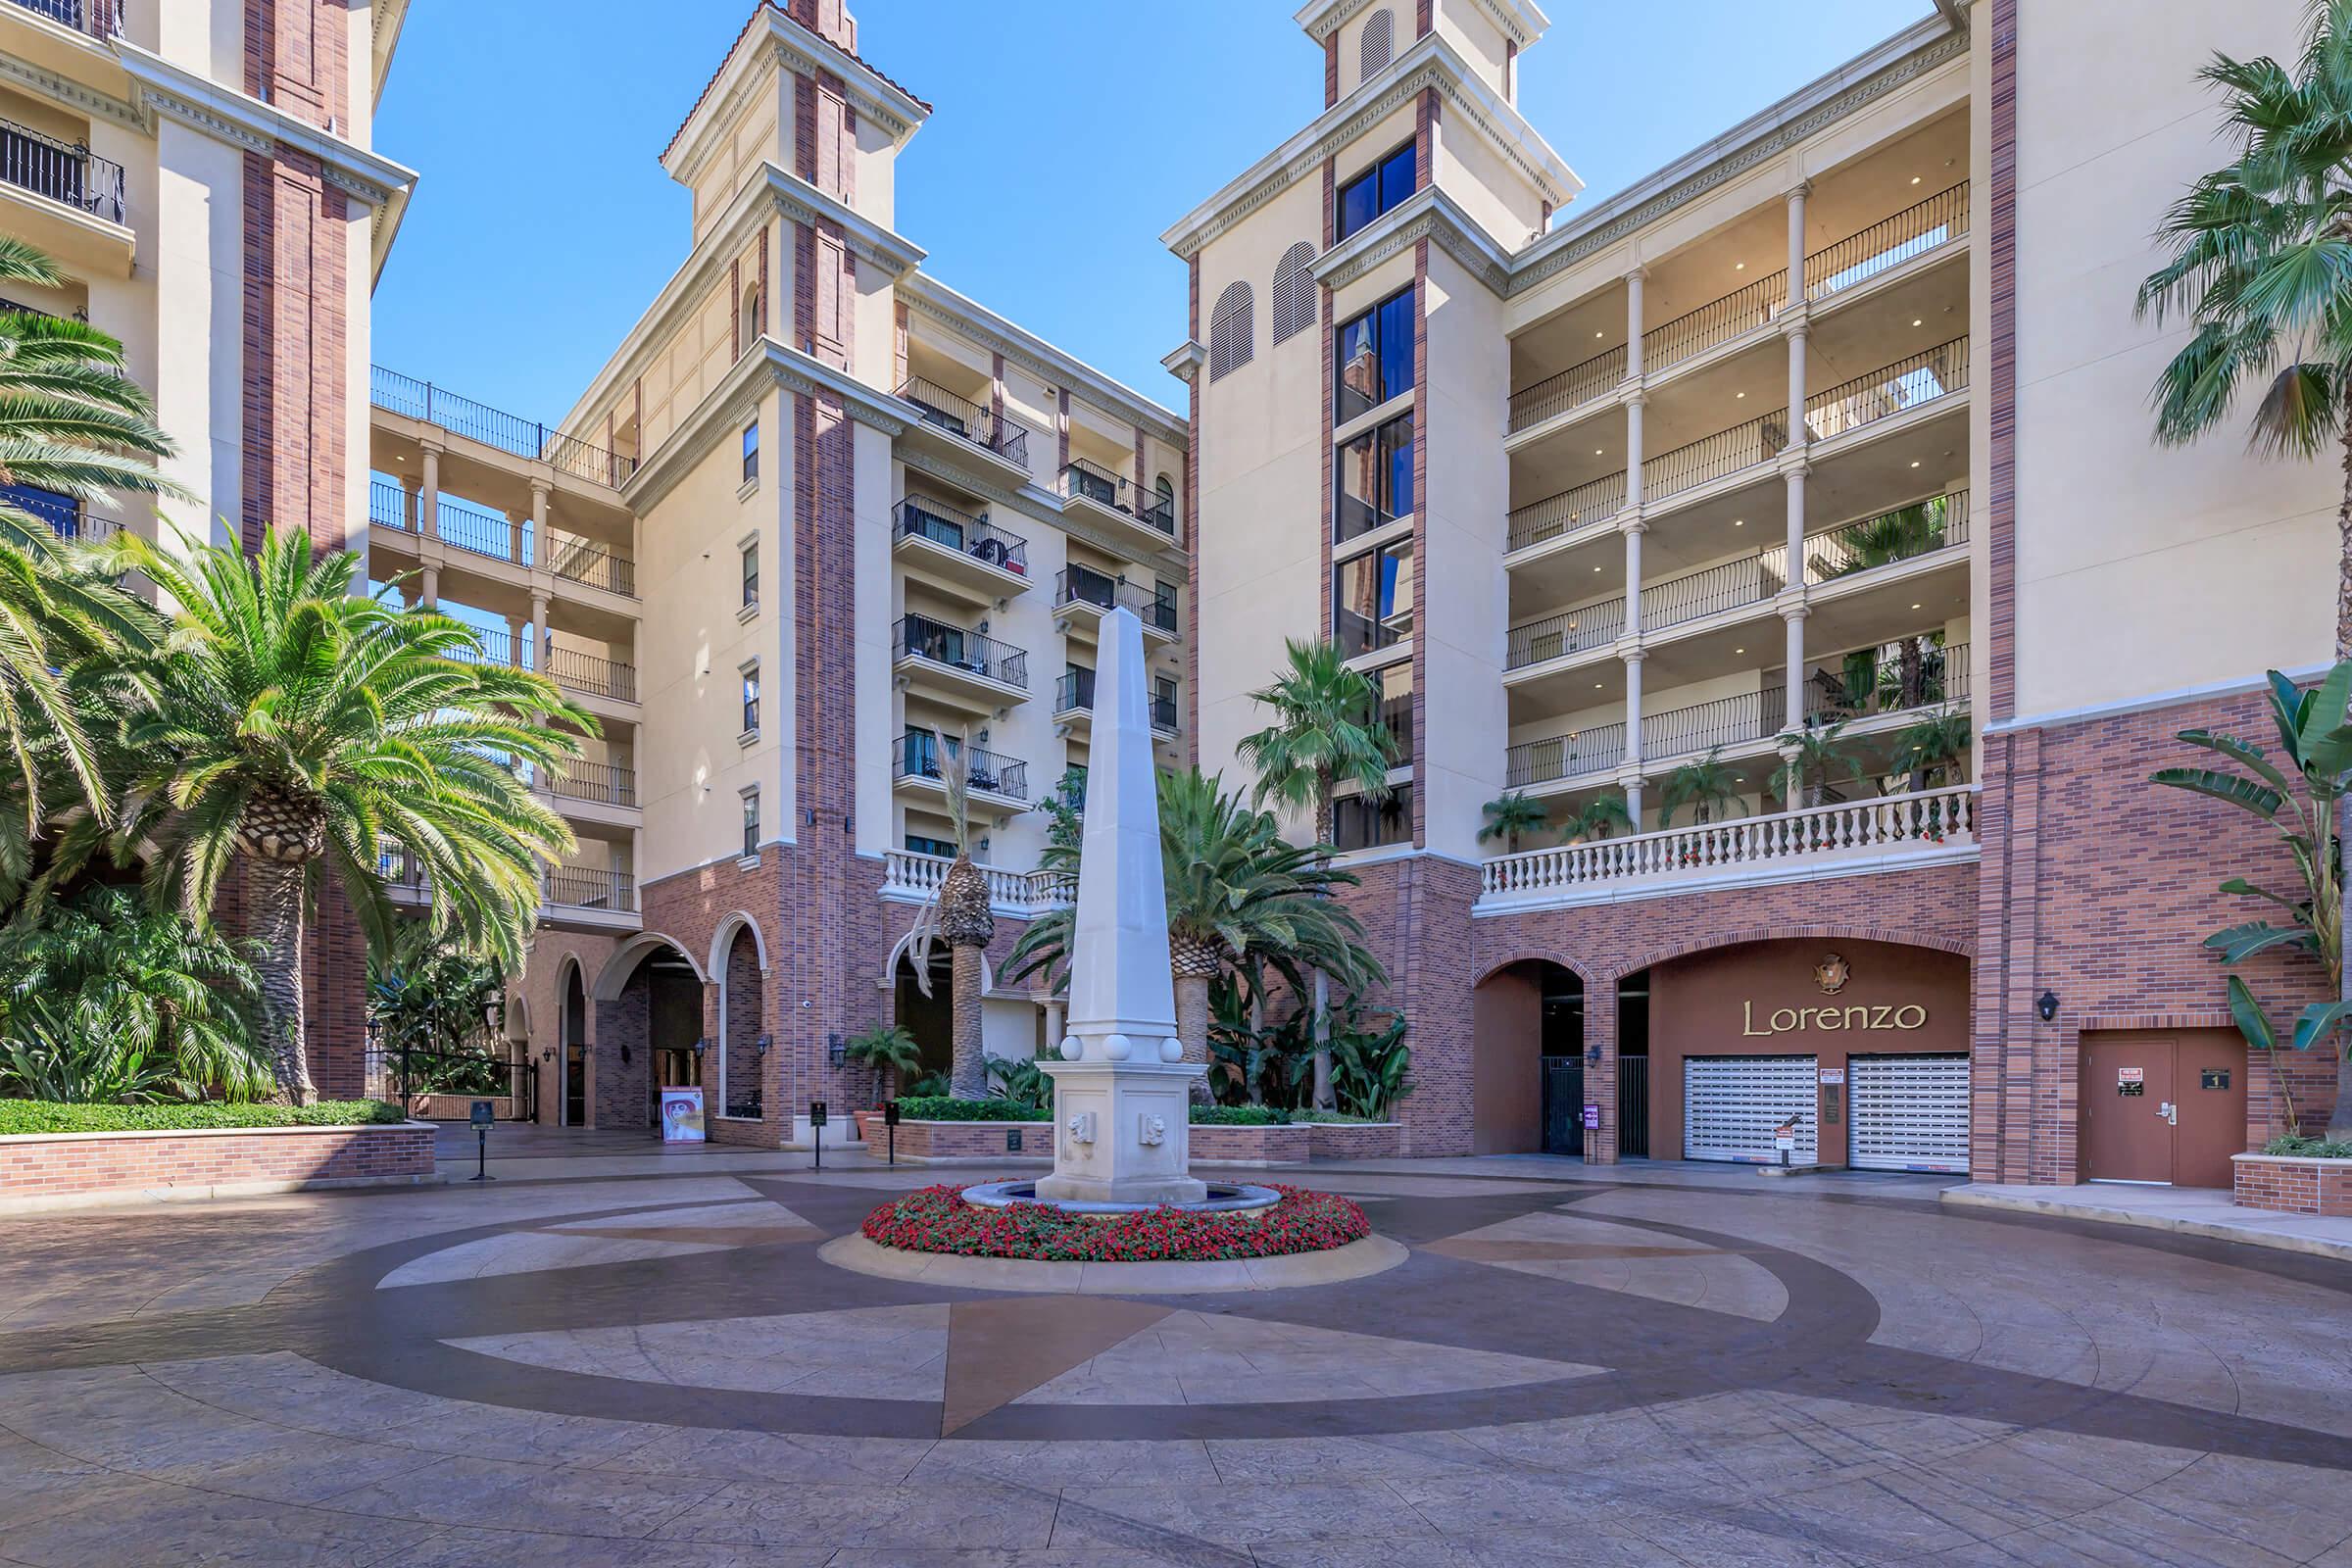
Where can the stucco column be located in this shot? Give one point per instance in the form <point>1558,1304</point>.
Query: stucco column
<point>1055,1007</point>
<point>539,633</point>
<point>1797,242</point>
<point>1792,607</point>
<point>518,630</point>
<point>429,514</point>
<point>429,586</point>
<point>1798,435</point>
<point>1792,713</point>
<point>408,504</point>
<point>1633,322</point>
<point>1600,1068</point>
<point>1633,450</point>
<point>540,498</point>
<point>516,523</point>
<point>1632,732</point>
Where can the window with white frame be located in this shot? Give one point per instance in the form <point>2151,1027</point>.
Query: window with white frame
<point>751,572</point>
<point>750,821</point>
<point>750,697</point>
<point>751,452</point>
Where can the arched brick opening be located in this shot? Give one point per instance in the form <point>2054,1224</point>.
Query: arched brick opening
<point>1526,1047</point>
<point>743,1027</point>
<point>571,1062</point>
<point>649,1019</point>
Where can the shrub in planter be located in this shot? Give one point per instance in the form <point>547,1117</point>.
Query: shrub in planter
<point>2308,1147</point>
<point>937,1219</point>
<point>50,1116</point>
<point>1241,1116</point>
<point>942,1107</point>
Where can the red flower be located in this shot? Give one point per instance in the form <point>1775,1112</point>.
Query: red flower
<point>937,1219</point>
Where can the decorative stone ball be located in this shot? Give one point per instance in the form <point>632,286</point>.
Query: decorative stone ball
<point>1118,1048</point>
<point>1171,1049</point>
<point>1070,1047</point>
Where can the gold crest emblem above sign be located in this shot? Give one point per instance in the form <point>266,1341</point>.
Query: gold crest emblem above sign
<point>1832,973</point>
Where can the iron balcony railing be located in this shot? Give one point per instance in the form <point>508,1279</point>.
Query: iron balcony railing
<point>583,886</point>
<point>1726,585</point>
<point>63,172</point>
<point>1693,332</point>
<point>1725,721</point>
<point>600,783</point>
<point>1082,480</point>
<point>1906,384</point>
<point>1074,692</point>
<point>1084,585</point>
<point>591,562</point>
<point>387,505</point>
<point>588,562</point>
<point>1903,533</point>
<point>1572,388</point>
<point>984,428</point>
<point>592,672</point>
<point>1908,675</point>
<point>70,519</point>
<point>1594,748</point>
<point>20,309</point>
<point>1587,506</point>
<point>413,399</point>
<point>1571,631</point>
<point>101,19</point>
<point>919,517</point>
<point>495,645</point>
<point>923,755</point>
<point>1711,458</point>
<point>1887,243</point>
<point>952,647</point>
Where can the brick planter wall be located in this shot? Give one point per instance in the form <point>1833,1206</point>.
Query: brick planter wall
<point>1252,1146</point>
<point>68,1170</point>
<point>2292,1184</point>
<point>457,1108</point>
<point>1380,1139</point>
<point>966,1139</point>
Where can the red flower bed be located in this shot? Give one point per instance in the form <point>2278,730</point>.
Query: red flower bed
<point>937,1219</point>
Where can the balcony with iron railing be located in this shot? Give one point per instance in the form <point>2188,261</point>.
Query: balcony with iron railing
<point>100,18</point>
<point>62,172</point>
<point>1572,511</point>
<point>588,889</point>
<point>70,519</point>
<point>573,668</point>
<point>1911,382</point>
<point>970,549</point>
<point>510,433</point>
<point>590,563</point>
<point>1888,831</point>
<point>1582,630</point>
<point>1074,697</point>
<point>969,423</point>
<point>594,783</point>
<point>966,661</point>
<point>921,756</point>
<point>1581,753</point>
<point>1847,263</point>
<point>1091,593</point>
<point>1091,486</point>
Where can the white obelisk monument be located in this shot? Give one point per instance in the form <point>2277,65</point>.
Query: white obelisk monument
<point>1121,1094</point>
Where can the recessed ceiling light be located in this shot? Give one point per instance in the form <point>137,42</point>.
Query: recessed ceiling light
<point>1915,607</point>
<point>1600,334</point>
<point>1918,322</point>
<point>1743,394</point>
<point>1914,179</point>
<point>1915,463</point>
<point>1739,649</point>
<point>1738,522</point>
<point>1597,685</point>
<point>1596,453</point>
<point>1739,267</point>
<point>1595,568</point>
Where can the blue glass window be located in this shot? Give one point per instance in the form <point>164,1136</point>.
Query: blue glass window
<point>1377,190</point>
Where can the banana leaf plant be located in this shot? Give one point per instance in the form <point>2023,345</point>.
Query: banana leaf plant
<point>2298,801</point>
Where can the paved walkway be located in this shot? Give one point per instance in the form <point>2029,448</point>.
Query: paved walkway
<point>2188,1210</point>
<point>617,1357</point>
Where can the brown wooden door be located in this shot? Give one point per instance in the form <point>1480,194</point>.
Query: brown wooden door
<point>2127,1099</point>
<point>2210,1079</point>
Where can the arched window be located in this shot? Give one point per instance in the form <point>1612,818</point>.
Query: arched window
<point>1375,45</point>
<point>1293,292</point>
<point>1164,491</point>
<point>754,315</point>
<point>1232,335</point>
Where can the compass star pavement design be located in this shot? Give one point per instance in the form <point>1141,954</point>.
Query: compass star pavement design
<point>603,1358</point>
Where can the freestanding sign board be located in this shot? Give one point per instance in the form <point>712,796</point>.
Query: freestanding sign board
<point>682,1115</point>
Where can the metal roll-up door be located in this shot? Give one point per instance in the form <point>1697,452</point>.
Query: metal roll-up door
<point>1732,1103</point>
<point>1910,1113</point>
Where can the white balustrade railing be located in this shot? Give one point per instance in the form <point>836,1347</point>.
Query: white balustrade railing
<point>913,877</point>
<point>1824,834</point>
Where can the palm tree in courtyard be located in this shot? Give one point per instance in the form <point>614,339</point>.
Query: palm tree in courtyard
<point>1239,897</point>
<point>298,732</point>
<point>1509,816</point>
<point>1326,732</point>
<point>1598,818</point>
<point>2260,266</point>
<point>1706,786</point>
<point>72,424</point>
<point>961,914</point>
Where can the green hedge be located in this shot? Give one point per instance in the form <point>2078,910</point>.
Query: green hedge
<point>1240,1116</point>
<point>2308,1147</point>
<point>17,1116</point>
<point>941,1108</point>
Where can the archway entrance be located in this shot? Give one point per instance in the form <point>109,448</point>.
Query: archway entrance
<point>574,1112</point>
<point>1528,1061</point>
<point>930,1020</point>
<point>648,1034</point>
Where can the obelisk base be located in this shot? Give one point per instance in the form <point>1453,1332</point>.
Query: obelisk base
<point>1123,1133</point>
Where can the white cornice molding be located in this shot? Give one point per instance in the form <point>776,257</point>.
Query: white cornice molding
<point>1520,21</point>
<point>1428,213</point>
<point>1431,63</point>
<point>165,89</point>
<point>792,49</point>
<point>1184,361</point>
<point>2241,686</point>
<point>1040,358</point>
<point>776,194</point>
<point>28,77</point>
<point>1909,55</point>
<point>389,18</point>
<point>726,406</point>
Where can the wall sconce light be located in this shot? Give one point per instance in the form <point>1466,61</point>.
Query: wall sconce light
<point>624,1056</point>
<point>701,1045</point>
<point>760,1045</point>
<point>1593,1053</point>
<point>2046,1005</point>
<point>836,1051</point>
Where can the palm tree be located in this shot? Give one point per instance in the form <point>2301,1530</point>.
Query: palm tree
<point>298,731</point>
<point>1706,786</point>
<point>1883,540</point>
<point>890,1051</point>
<point>1326,732</point>
<point>428,995</point>
<point>1600,818</point>
<point>1238,896</point>
<point>70,422</point>
<point>2257,265</point>
<point>966,922</point>
<point>1935,741</point>
<point>1815,752</point>
<point>1510,815</point>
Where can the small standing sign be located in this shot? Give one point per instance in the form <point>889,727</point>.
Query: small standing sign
<point>890,1121</point>
<point>816,1131</point>
<point>1592,1118</point>
<point>481,1113</point>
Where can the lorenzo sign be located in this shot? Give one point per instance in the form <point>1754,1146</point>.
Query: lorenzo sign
<point>1792,1020</point>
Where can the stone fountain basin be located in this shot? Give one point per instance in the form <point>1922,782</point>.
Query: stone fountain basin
<point>1243,1199</point>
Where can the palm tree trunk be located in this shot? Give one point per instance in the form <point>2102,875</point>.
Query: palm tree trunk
<point>1253,1059</point>
<point>967,1071</point>
<point>1192,1030</point>
<point>276,887</point>
<point>2339,1121</point>
<point>1324,1100</point>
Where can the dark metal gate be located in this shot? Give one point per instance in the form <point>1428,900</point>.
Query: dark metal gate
<point>1565,1106</point>
<point>1633,1106</point>
<point>449,1076</point>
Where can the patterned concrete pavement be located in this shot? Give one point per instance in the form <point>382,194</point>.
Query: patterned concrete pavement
<point>605,1359</point>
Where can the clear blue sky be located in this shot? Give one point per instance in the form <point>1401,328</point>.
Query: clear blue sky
<point>1067,134</point>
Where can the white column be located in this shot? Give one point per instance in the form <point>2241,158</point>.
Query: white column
<point>517,629</point>
<point>1794,606</point>
<point>1632,732</point>
<point>428,517</point>
<point>540,495</point>
<point>1633,322</point>
<point>1631,527</point>
<point>408,504</point>
<point>514,541</point>
<point>428,587</point>
<point>1797,433</point>
<point>1796,243</point>
<point>539,633</point>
